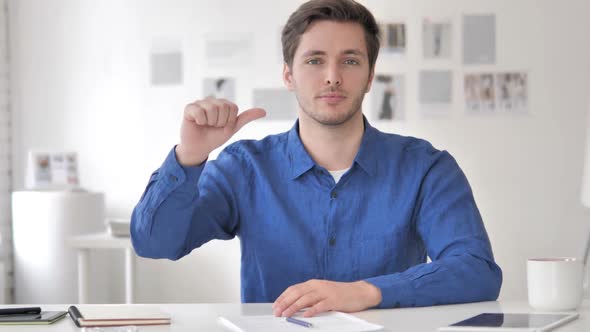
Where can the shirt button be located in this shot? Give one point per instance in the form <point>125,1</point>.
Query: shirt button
<point>334,195</point>
<point>332,241</point>
<point>173,178</point>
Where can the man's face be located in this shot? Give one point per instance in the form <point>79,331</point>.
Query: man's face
<point>330,73</point>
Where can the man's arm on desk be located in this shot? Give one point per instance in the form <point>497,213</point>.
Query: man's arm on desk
<point>462,269</point>
<point>451,228</point>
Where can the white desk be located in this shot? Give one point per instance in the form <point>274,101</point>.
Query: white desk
<point>202,317</point>
<point>103,241</point>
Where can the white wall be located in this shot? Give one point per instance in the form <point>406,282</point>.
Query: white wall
<point>5,159</point>
<point>82,83</point>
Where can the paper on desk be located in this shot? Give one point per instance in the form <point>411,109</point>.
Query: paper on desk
<point>325,322</point>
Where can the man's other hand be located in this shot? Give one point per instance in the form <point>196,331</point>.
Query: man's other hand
<point>323,295</point>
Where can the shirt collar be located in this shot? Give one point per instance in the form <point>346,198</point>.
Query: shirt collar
<point>367,156</point>
<point>302,162</point>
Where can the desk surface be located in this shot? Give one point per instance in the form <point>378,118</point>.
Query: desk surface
<point>203,317</point>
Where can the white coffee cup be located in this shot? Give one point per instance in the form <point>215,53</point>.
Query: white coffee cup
<point>555,284</point>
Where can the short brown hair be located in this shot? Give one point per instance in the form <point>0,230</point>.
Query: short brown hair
<point>331,10</point>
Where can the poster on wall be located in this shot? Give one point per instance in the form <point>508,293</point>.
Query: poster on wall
<point>220,88</point>
<point>480,93</point>
<point>166,68</point>
<point>279,103</point>
<point>166,61</point>
<point>512,92</point>
<point>224,51</point>
<point>436,39</point>
<point>435,92</point>
<point>393,38</point>
<point>488,93</point>
<point>388,98</point>
<point>52,170</point>
<point>479,39</point>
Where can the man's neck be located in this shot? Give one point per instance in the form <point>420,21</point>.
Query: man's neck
<point>332,147</point>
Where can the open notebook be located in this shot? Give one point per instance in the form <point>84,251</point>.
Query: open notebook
<point>117,315</point>
<point>325,322</point>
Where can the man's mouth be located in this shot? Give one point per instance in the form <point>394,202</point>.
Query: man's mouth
<point>332,98</point>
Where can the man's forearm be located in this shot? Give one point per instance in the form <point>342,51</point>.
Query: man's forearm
<point>453,279</point>
<point>161,220</point>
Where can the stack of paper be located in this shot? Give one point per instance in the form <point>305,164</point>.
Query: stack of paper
<point>325,322</point>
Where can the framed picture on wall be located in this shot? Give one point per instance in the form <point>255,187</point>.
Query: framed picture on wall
<point>387,97</point>
<point>496,93</point>
<point>480,95</point>
<point>393,37</point>
<point>52,170</point>
<point>512,91</point>
<point>436,39</point>
<point>219,87</point>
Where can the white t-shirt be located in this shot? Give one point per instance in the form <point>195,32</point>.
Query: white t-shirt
<point>338,174</point>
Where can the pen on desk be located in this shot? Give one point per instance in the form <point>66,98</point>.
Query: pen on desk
<point>299,322</point>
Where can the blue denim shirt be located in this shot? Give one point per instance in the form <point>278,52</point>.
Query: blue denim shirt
<point>400,201</point>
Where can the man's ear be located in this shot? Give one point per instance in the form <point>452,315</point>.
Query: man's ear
<point>370,82</point>
<point>288,77</point>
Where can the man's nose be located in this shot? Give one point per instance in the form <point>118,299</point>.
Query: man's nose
<point>333,75</point>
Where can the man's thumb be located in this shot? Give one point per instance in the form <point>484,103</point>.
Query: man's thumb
<point>249,116</point>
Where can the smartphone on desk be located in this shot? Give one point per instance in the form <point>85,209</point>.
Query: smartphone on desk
<point>20,311</point>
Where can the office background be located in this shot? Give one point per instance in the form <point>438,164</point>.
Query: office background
<point>79,75</point>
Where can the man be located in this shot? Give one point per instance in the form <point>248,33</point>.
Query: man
<point>332,215</point>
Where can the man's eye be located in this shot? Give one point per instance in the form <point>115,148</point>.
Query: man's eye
<point>351,62</point>
<point>313,62</point>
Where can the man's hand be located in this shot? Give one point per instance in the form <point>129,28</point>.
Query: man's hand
<point>207,124</point>
<point>323,295</point>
